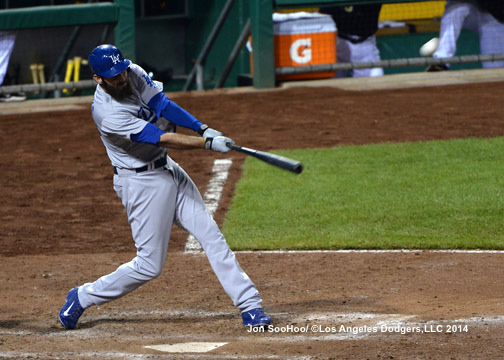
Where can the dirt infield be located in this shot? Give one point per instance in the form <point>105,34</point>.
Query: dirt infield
<point>63,225</point>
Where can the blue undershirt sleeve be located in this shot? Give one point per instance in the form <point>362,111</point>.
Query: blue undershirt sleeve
<point>166,108</point>
<point>150,134</point>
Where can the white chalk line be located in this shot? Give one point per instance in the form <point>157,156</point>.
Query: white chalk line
<point>315,252</point>
<point>406,251</point>
<point>70,355</point>
<point>122,355</point>
<point>212,196</point>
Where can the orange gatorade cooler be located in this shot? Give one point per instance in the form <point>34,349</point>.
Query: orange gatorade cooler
<point>304,38</point>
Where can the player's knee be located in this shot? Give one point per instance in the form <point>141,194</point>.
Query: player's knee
<point>151,274</point>
<point>155,275</point>
<point>149,269</point>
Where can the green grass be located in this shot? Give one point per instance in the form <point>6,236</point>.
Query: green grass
<point>426,195</point>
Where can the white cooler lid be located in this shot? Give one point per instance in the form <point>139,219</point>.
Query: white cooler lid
<point>302,23</point>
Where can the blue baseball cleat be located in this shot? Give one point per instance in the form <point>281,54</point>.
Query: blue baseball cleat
<point>255,317</point>
<point>71,311</point>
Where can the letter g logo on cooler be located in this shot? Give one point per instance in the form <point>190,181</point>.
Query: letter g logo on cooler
<point>300,51</point>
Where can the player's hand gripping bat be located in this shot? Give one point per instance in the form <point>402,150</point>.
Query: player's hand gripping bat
<point>272,159</point>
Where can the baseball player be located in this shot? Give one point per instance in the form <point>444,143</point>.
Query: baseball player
<point>472,15</point>
<point>134,119</point>
<point>356,41</point>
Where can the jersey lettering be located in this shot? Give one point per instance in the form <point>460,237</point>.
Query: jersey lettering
<point>148,80</point>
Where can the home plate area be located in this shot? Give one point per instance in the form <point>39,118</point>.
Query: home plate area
<point>189,347</point>
<point>317,335</point>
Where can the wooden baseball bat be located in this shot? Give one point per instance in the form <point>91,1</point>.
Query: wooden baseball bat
<point>272,159</point>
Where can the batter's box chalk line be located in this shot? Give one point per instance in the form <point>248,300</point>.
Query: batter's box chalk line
<point>212,196</point>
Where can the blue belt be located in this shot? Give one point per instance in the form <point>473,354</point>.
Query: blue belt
<point>157,164</point>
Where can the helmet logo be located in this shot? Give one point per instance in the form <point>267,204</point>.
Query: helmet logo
<point>115,58</point>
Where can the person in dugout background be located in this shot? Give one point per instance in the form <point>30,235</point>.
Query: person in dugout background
<point>356,42</point>
<point>485,17</point>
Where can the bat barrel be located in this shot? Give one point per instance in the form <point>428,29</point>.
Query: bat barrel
<point>272,159</point>
<point>297,168</point>
<point>280,161</point>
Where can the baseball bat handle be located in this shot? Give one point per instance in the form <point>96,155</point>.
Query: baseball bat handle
<point>272,159</point>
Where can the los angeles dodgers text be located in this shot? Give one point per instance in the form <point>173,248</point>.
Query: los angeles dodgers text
<point>355,330</point>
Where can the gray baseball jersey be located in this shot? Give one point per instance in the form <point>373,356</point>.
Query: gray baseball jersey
<point>116,121</point>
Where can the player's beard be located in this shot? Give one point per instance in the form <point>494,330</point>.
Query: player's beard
<point>117,93</point>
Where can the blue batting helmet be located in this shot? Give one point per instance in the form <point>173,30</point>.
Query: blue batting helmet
<point>107,61</point>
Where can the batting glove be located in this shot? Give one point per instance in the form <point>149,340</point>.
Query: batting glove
<point>207,132</point>
<point>218,144</point>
